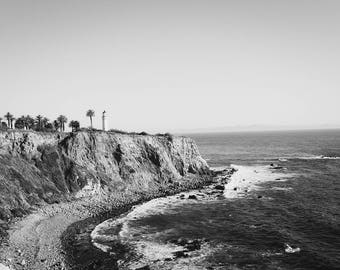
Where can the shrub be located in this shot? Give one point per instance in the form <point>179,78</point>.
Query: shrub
<point>118,131</point>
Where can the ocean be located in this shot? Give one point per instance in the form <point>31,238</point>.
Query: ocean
<point>280,216</point>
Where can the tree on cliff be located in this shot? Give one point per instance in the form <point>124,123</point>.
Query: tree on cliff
<point>12,120</point>
<point>8,116</point>
<point>62,120</point>
<point>90,113</point>
<point>56,125</point>
<point>29,122</point>
<point>38,120</point>
<point>45,122</point>
<point>20,123</point>
<point>74,125</point>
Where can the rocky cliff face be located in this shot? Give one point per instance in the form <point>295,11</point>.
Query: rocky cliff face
<point>39,168</point>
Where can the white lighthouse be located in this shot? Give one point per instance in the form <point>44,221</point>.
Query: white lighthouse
<point>104,121</point>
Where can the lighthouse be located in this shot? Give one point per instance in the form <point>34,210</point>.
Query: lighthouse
<point>104,120</point>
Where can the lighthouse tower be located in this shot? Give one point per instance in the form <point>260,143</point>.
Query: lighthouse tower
<point>104,121</point>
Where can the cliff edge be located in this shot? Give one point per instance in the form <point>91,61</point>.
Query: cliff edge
<point>46,168</point>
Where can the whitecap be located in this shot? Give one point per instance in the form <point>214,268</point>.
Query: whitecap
<point>249,178</point>
<point>289,249</point>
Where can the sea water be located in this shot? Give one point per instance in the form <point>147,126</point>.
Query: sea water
<point>267,218</point>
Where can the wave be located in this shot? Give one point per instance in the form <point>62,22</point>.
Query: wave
<point>119,229</point>
<point>249,178</point>
<point>320,157</point>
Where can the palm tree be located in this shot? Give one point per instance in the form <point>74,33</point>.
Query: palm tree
<point>56,125</point>
<point>74,125</point>
<point>90,113</point>
<point>29,122</point>
<point>8,116</point>
<point>20,123</point>
<point>45,122</point>
<point>39,119</point>
<point>12,120</point>
<point>62,120</point>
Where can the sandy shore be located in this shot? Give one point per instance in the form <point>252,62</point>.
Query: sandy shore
<point>35,241</point>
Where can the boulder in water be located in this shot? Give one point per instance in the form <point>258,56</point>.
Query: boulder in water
<point>146,267</point>
<point>180,254</point>
<point>193,245</point>
<point>219,187</point>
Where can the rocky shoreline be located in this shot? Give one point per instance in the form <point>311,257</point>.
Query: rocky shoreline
<point>82,254</point>
<point>46,238</point>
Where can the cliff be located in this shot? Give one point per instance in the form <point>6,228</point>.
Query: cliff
<point>44,168</point>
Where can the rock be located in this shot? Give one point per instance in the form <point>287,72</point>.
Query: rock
<point>192,197</point>
<point>146,267</point>
<point>23,262</point>
<point>275,167</point>
<point>193,245</point>
<point>180,254</point>
<point>180,241</point>
<point>219,187</point>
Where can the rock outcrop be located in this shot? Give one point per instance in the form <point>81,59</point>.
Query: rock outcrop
<point>40,168</point>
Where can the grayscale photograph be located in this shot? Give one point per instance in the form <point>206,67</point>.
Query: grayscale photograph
<point>169,134</point>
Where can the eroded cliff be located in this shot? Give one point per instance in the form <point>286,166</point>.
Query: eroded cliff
<point>40,168</point>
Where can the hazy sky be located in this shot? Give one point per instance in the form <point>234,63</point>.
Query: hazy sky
<point>167,65</point>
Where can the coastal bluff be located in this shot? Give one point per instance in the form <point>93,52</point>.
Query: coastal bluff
<point>38,169</point>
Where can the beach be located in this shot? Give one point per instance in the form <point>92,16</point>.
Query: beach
<point>38,241</point>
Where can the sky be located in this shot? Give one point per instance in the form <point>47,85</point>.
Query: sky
<point>160,66</point>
